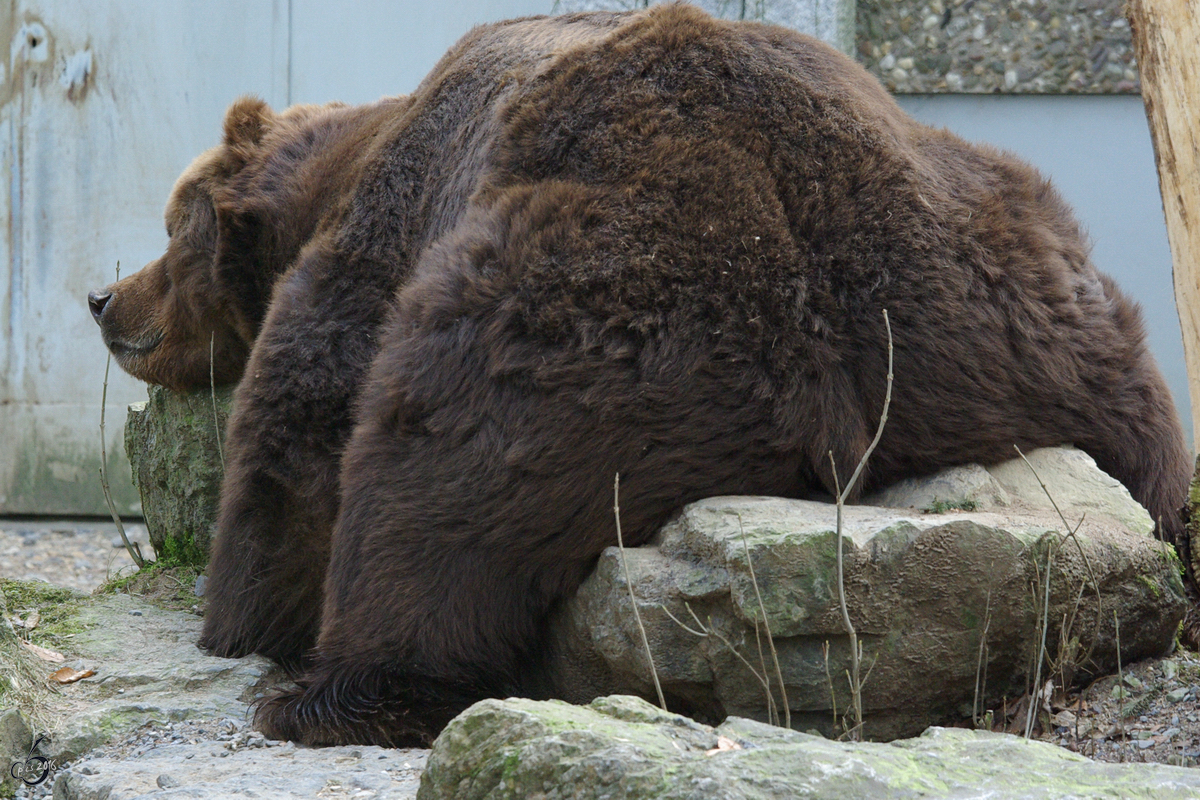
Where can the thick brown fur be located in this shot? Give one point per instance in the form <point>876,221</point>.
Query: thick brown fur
<point>651,244</point>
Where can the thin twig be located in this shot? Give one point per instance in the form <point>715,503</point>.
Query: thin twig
<point>1120,673</point>
<point>855,698</point>
<point>662,701</point>
<point>842,495</point>
<point>1071,534</point>
<point>135,550</point>
<point>980,673</point>
<point>866,678</point>
<point>887,401</point>
<point>701,633</point>
<point>762,609</point>
<point>1037,674</point>
<point>711,630</point>
<point>772,707</point>
<point>212,387</point>
<point>829,680</point>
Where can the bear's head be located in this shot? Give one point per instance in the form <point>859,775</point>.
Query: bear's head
<point>237,218</point>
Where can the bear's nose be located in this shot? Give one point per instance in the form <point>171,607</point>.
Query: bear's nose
<point>97,301</point>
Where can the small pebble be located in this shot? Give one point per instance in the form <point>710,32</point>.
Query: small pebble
<point>166,782</point>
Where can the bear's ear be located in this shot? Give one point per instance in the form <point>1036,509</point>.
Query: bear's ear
<point>247,121</point>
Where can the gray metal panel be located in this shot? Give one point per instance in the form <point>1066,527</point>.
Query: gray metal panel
<point>1097,152</point>
<point>102,104</point>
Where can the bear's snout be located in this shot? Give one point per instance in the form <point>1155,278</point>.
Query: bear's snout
<point>97,300</point>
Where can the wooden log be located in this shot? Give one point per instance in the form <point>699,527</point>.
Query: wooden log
<point>1166,40</point>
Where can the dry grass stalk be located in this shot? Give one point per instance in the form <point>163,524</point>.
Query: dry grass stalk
<point>1071,533</point>
<point>662,701</point>
<point>762,610</point>
<point>1066,659</point>
<point>829,680</point>
<point>981,665</point>
<point>135,551</point>
<point>212,388</point>
<point>1120,671</point>
<point>856,682</point>
<point>1045,625</point>
<point>711,630</point>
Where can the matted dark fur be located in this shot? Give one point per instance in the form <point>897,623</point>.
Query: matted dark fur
<point>651,244</point>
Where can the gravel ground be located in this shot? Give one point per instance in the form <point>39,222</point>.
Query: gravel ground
<point>1155,717</point>
<point>80,554</point>
<point>216,739</point>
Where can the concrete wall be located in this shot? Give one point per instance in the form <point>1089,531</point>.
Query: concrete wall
<point>102,104</point>
<point>382,47</point>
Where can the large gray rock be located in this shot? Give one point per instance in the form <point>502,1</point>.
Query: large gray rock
<point>173,446</point>
<point>930,595</point>
<point>622,747</point>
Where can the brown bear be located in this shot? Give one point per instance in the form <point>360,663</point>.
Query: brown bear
<point>653,244</point>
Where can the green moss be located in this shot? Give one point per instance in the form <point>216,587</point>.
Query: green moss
<point>1151,585</point>
<point>182,551</point>
<point>35,594</point>
<point>970,619</point>
<point>121,583</point>
<point>162,581</point>
<point>942,506</point>
<point>57,607</point>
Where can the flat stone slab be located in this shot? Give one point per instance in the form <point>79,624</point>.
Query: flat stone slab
<point>213,770</point>
<point>946,605</point>
<point>159,718</point>
<point>147,669</point>
<point>624,747</point>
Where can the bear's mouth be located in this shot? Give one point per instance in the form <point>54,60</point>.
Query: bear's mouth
<point>124,349</point>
